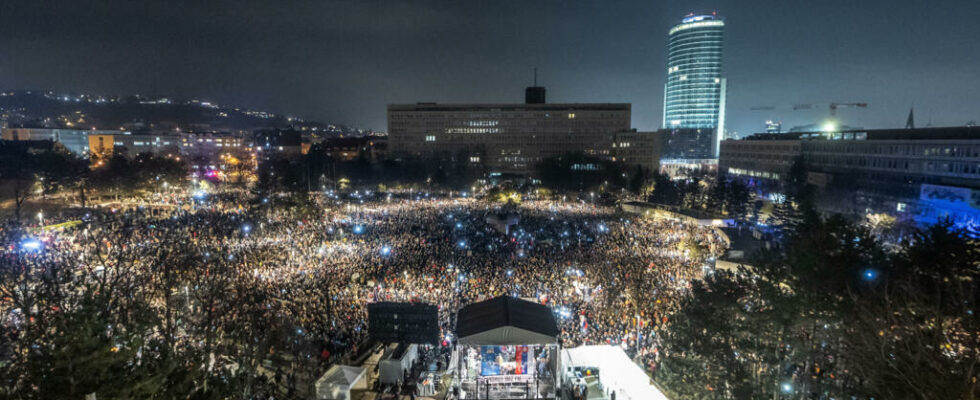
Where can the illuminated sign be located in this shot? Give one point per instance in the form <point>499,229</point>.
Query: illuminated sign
<point>695,18</point>
<point>695,24</point>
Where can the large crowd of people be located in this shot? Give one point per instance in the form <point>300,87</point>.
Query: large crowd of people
<point>250,272</point>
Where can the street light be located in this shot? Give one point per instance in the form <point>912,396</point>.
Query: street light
<point>870,274</point>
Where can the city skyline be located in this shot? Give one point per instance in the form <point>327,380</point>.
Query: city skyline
<point>343,62</point>
<point>326,199</point>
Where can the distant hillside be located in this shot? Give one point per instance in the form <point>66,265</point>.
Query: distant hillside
<point>136,113</point>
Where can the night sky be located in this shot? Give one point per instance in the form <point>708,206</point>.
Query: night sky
<point>343,61</point>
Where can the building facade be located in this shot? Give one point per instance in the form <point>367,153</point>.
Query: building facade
<point>513,138</point>
<point>371,148</point>
<point>75,140</point>
<point>159,144</point>
<point>637,148</point>
<point>225,155</point>
<point>209,146</point>
<point>688,144</point>
<point>278,143</point>
<point>694,94</point>
<point>924,174</point>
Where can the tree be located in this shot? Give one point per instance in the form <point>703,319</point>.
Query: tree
<point>73,338</point>
<point>17,169</point>
<point>145,172</point>
<point>737,198</point>
<point>665,191</point>
<point>638,180</point>
<point>693,197</point>
<point>709,351</point>
<point>914,333</point>
<point>784,318</point>
<point>799,206</point>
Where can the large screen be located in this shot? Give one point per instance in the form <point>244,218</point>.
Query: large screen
<point>506,360</point>
<point>403,322</point>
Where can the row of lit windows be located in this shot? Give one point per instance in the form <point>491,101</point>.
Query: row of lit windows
<point>148,143</point>
<point>899,164</point>
<point>214,140</point>
<point>901,149</point>
<point>472,130</point>
<point>554,124</point>
<point>755,174</point>
<point>748,146</point>
<point>216,144</point>
<point>493,119</point>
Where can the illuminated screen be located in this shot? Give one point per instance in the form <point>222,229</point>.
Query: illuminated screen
<point>505,360</point>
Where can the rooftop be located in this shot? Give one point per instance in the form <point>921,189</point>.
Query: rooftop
<point>940,133</point>
<point>506,320</point>
<point>510,107</point>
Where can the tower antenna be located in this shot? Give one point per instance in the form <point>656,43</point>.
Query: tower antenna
<point>535,76</point>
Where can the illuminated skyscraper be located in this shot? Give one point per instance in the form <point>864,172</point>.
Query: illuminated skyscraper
<point>694,95</point>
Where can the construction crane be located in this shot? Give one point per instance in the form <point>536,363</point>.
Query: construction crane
<point>835,106</point>
<point>831,124</point>
<point>804,106</point>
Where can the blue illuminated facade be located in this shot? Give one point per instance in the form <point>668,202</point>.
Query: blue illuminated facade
<point>923,175</point>
<point>694,95</point>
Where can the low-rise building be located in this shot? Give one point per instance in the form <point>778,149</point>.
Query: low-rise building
<point>278,143</point>
<point>212,154</point>
<point>212,145</point>
<point>923,174</point>
<point>350,148</point>
<point>75,140</point>
<point>129,145</point>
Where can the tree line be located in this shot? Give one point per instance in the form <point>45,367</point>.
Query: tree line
<point>27,171</point>
<point>833,314</point>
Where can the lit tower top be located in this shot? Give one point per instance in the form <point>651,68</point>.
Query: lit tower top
<point>694,95</point>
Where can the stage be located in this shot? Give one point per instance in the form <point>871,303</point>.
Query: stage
<point>507,349</point>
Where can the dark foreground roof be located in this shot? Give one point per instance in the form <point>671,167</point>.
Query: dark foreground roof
<point>506,311</point>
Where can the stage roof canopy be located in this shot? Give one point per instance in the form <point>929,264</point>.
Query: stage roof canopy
<point>506,321</point>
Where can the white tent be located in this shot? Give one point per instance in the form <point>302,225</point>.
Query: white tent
<point>391,369</point>
<point>338,382</point>
<point>616,371</point>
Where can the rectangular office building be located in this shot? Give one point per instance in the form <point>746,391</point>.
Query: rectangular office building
<point>513,138</point>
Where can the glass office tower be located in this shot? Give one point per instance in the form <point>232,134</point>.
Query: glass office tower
<point>694,96</point>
